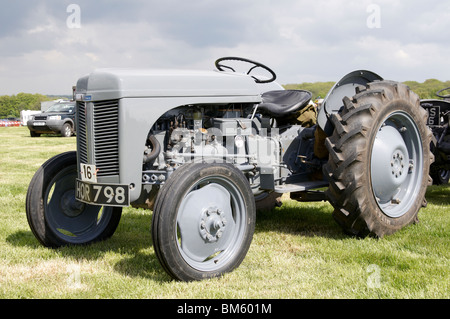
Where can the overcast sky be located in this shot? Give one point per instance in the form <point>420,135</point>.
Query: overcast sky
<point>46,45</point>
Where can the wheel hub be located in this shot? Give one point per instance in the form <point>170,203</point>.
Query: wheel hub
<point>212,224</point>
<point>389,168</point>
<point>69,205</point>
<point>396,164</point>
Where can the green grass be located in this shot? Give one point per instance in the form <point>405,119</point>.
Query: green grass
<point>298,251</point>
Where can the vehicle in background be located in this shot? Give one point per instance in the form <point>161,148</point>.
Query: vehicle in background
<point>58,119</point>
<point>438,121</point>
<point>26,115</point>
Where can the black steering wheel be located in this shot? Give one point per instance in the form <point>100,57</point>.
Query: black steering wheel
<point>438,93</point>
<point>222,67</point>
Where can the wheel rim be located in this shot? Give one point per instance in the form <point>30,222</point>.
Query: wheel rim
<point>67,130</point>
<point>210,223</point>
<point>396,164</point>
<point>444,175</point>
<point>69,219</point>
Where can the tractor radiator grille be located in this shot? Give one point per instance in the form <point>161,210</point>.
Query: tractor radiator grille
<point>106,137</point>
<point>102,140</point>
<point>81,132</point>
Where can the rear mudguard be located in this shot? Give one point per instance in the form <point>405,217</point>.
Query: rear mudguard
<point>345,87</point>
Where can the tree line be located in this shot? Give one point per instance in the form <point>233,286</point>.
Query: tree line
<point>428,89</point>
<point>425,90</point>
<point>11,105</point>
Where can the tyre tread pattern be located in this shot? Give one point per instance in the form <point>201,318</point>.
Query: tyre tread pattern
<point>348,147</point>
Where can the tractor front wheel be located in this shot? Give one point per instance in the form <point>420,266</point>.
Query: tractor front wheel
<point>203,221</point>
<point>55,217</point>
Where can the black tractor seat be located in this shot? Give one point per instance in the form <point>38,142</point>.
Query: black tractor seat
<point>282,103</point>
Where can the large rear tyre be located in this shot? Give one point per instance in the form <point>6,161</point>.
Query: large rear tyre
<point>203,221</point>
<point>55,217</point>
<point>378,168</point>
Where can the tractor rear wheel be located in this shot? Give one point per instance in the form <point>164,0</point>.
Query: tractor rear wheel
<point>379,161</point>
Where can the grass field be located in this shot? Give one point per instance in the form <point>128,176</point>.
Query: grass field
<point>298,251</point>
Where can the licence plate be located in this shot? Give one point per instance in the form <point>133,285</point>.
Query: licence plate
<point>88,173</point>
<point>102,194</point>
<point>39,123</point>
<point>433,114</point>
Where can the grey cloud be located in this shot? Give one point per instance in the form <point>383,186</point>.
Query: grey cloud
<point>301,40</point>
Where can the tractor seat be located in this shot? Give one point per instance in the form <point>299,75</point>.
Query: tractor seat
<point>282,103</point>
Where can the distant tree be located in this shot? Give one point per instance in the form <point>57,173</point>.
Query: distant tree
<point>425,90</point>
<point>317,89</point>
<point>11,105</point>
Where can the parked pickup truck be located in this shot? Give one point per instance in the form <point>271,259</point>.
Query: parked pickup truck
<point>58,119</point>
